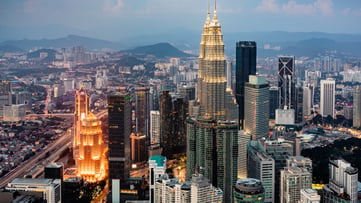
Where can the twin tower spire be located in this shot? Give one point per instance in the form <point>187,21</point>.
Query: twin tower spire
<point>214,21</point>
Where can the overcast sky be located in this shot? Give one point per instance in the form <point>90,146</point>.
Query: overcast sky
<point>113,19</point>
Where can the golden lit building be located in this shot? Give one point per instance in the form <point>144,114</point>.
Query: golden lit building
<point>81,111</point>
<point>91,161</point>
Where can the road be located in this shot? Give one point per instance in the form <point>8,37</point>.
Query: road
<point>37,159</point>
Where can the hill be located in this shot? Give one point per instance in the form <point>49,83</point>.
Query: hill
<point>157,50</point>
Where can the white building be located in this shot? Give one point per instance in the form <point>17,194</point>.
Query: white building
<point>243,139</point>
<point>285,117</point>
<point>327,103</point>
<point>50,188</point>
<point>157,167</point>
<point>343,182</point>
<point>309,196</point>
<point>14,112</point>
<point>69,84</point>
<point>154,127</point>
<point>293,179</point>
<point>307,99</point>
<point>203,191</point>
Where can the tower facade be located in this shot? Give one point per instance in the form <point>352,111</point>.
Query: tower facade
<point>357,107</point>
<point>119,129</point>
<point>82,108</point>
<point>256,107</point>
<point>246,61</point>
<point>212,73</point>
<point>286,82</point>
<point>142,110</point>
<point>91,161</point>
<point>154,127</point>
<point>327,100</point>
<point>293,179</point>
<point>5,95</point>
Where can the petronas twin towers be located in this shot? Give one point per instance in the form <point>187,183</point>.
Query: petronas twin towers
<point>212,140</point>
<point>211,74</point>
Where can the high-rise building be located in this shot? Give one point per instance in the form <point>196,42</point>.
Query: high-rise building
<point>286,82</point>
<point>293,179</point>
<point>273,102</point>
<point>300,161</point>
<point>14,112</point>
<point>212,142</point>
<point>299,104</point>
<point>246,55</point>
<point>261,166</point>
<point>154,127</point>
<point>5,95</point>
<point>211,73</point>
<point>256,107</point>
<point>119,129</point>
<point>172,123</point>
<point>357,107</point>
<point>213,150</point>
<point>188,92</point>
<point>82,108</point>
<point>203,191</point>
<point>307,99</point>
<point>157,167</point>
<point>327,101</point>
<point>138,147</point>
<point>309,196</point>
<point>342,186</point>
<point>142,110</point>
<point>51,189</point>
<point>91,162</point>
<point>248,190</point>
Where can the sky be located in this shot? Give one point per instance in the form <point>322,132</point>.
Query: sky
<point>117,19</point>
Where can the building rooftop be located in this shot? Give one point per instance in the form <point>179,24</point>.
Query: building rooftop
<point>249,186</point>
<point>30,181</point>
<point>159,160</point>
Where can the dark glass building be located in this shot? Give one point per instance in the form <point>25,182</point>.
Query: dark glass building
<point>119,129</point>
<point>286,82</point>
<point>246,61</point>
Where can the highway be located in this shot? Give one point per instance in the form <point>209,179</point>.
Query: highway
<point>37,159</point>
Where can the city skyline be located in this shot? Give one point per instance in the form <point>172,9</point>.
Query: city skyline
<point>108,19</point>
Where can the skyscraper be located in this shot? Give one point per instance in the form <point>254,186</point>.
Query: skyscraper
<point>154,127</point>
<point>119,128</point>
<point>327,101</point>
<point>212,74</point>
<point>286,82</point>
<point>5,95</point>
<point>307,99</point>
<point>82,108</point>
<point>256,107</point>
<point>357,107</point>
<point>212,142</point>
<point>309,196</point>
<point>157,167</point>
<point>273,101</point>
<point>91,162</point>
<point>246,55</point>
<point>142,110</point>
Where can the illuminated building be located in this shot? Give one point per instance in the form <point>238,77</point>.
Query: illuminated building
<point>212,142</point>
<point>256,107</point>
<point>138,147</point>
<point>91,162</point>
<point>293,179</point>
<point>80,112</point>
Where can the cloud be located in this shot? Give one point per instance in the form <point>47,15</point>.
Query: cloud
<point>268,6</point>
<point>351,12</point>
<point>325,7</point>
<point>113,7</point>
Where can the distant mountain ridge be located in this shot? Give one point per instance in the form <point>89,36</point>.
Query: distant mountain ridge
<point>64,42</point>
<point>158,50</point>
